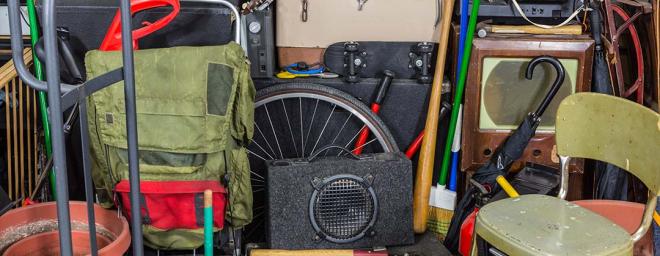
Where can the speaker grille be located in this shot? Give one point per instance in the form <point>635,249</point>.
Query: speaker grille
<point>343,208</point>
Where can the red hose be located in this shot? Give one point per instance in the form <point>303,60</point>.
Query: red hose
<point>638,86</point>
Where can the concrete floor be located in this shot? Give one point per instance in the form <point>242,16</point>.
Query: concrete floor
<point>425,245</point>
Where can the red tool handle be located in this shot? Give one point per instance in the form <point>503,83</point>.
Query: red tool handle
<point>375,107</point>
<point>112,40</point>
<point>414,146</point>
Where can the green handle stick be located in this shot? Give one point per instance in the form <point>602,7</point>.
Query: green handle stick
<point>43,105</point>
<point>460,88</point>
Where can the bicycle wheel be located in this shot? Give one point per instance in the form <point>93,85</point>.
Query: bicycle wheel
<point>295,119</point>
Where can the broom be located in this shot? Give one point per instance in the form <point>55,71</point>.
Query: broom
<point>444,200</point>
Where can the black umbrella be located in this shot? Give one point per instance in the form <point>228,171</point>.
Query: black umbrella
<point>506,154</point>
<point>611,181</point>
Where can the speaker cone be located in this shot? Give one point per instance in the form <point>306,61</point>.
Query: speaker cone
<point>343,208</point>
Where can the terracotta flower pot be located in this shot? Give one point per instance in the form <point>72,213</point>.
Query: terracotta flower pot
<point>32,230</point>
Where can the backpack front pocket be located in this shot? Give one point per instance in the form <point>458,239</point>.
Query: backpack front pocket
<point>170,205</point>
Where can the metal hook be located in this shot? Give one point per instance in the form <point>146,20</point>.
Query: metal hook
<point>303,14</point>
<point>559,80</point>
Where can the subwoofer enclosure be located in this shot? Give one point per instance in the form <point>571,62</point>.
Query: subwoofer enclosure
<point>340,202</point>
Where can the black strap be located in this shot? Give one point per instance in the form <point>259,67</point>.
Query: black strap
<point>143,206</point>
<point>199,209</point>
<point>78,93</point>
<point>226,179</point>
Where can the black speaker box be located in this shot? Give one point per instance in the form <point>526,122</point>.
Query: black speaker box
<point>340,202</point>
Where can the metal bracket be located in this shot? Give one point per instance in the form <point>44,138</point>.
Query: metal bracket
<point>354,61</point>
<point>370,232</point>
<point>318,237</point>
<point>303,13</point>
<point>420,60</point>
<point>368,180</point>
<point>446,86</point>
<point>317,183</point>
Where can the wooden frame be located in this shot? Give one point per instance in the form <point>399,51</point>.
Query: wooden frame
<point>476,142</point>
<point>21,132</point>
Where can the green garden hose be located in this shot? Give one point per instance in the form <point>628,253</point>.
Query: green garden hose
<point>43,105</point>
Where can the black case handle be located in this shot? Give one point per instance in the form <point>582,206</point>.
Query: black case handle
<point>323,149</point>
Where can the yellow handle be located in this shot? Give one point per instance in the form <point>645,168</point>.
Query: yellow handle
<point>288,75</point>
<point>507,187</point>
<point>656,217</point>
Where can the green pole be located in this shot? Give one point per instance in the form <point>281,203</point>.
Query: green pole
<point>208,223</point>
<point>458,94</point>
<point>43,105</point>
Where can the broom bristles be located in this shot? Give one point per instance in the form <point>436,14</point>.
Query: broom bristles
<point>441,210</point>
<point>439,220</point>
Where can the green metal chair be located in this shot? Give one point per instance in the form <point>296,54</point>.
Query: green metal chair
<point>593,126</point>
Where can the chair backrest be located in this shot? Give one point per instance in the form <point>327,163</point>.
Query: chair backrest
<point>613,130</point>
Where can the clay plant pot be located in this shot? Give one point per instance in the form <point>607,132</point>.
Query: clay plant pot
<point>32,230</point>
<point>48,243</point>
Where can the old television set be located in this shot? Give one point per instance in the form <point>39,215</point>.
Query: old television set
<point>546,10</point>
<point>506,96</point>
<point>498,96</point>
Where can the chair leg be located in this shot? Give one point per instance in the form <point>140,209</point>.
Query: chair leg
<point>474,251</point>
<point>481,247</point>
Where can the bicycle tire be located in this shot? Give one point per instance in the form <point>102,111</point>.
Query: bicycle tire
<point>347,101</point>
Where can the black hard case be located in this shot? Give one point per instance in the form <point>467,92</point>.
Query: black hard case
<point>290,188</point>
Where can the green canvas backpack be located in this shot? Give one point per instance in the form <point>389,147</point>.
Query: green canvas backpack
<point>195,110</point>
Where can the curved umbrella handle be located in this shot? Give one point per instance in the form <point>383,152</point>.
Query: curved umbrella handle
<point>559,80</point>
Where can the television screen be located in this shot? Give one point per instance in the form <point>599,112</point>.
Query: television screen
<point>507,96</point>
